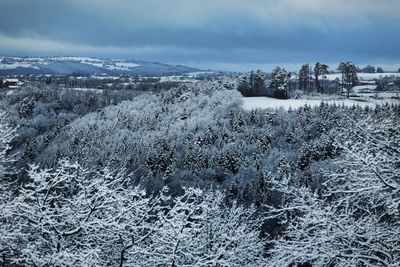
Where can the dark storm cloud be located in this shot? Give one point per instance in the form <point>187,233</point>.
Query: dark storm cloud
<point>180,31</point>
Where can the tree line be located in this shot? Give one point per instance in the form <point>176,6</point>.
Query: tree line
<point>281,83</point>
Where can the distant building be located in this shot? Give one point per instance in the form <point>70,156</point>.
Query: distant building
<point>12,83</point>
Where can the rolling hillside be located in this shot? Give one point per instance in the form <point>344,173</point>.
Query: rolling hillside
<point>86,66</point>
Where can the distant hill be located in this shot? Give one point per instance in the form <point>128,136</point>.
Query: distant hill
<point>86,66</point>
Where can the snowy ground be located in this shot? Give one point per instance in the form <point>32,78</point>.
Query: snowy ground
<point>364,76</point>
<point>250,103</point>
<point>85,89</point>
<point>188,77</point>
<point>364,88</point>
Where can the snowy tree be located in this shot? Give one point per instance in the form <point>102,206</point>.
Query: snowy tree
<point>7,186</point>
<point>305,77</point>
<point>353,219</point>
<point>197,229</point>
<point>72,216</point>
<point>26,107</point>
<point>277,83</point>
<point>257,82</point>
<point>160,155</point>
<point>349,76</point>
<point>325,235</point>
<point>372,157</point>
<point>369,69</point>
<point>320,69</point>
<point>253,84</point>
<point>7,134</point>
<point>244,86</point>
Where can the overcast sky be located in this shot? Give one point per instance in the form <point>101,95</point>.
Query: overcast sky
<point>224,34</point>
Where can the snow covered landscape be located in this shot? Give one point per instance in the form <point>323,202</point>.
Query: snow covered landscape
<point>250,103</point>
<point>200,133</point>
<point>140,167</point>
<point>363,95</point>
<point>85,65</point>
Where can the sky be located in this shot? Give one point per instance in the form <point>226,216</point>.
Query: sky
<point>237,35</point>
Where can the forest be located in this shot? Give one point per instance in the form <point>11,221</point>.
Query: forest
<point>182,175</point>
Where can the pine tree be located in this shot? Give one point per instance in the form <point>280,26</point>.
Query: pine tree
<point>26,107</point>
<point>258,83</point>
<point>304,77</point>
<point>349,76</point>
<point>209,136</point>
<point>369,69</point>
<point>244,86</point>
<point>320,69</point>
<point>184,115</point>
<point>169,173</point>
<point>278,83</point>
<point>253,117</point>
<point>252,85</point>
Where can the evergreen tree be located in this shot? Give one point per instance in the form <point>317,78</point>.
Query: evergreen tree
<point>304,77</point>
<point>320,69</point>
<point>369,69</point>
<point>349,76</point>
<point>258,83</point>
<point>277,83</point>
<point>26,107</point>
<point>252,85</point>
<point>244,86</point>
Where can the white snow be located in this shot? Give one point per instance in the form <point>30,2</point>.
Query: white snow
<point>178,78</point>
<point>115,65</point>
<point>79,59</point>
<point>105,77</point>
<point>363,88</point>
<point>15,65</point>
<point>364,76</point>
<point>11,80</point>
<point>126,65</point>
<point>250,103</point>
<point>100,65</point>
<point>31,62</point>
<point>85,89</point>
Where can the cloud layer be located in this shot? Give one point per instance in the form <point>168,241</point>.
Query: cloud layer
<point>199,31</point>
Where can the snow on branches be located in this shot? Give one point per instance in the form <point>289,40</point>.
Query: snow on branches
<point>73,216</point>
<point>353,219</point>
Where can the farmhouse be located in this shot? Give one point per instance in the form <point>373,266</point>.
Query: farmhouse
<point>11,83</point>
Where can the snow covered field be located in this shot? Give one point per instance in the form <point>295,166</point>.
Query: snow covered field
<point>15,65</point>
<point>36,63</point>
<point>250,103</point>
<point>364,76</point>
<point>362,95</point>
